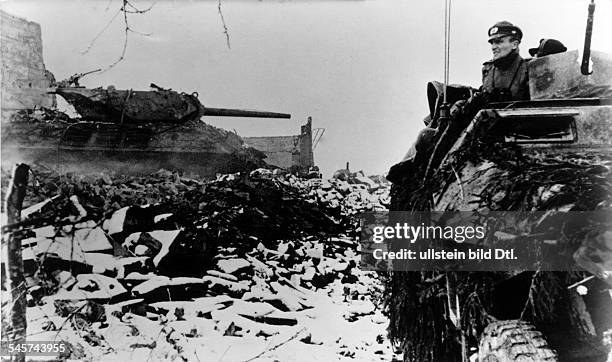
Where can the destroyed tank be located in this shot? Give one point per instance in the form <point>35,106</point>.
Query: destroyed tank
<point>129,132</point>
<point>552,152</point>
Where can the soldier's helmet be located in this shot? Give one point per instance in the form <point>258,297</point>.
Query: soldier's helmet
<point>504,28</point>
<point>547,47</point>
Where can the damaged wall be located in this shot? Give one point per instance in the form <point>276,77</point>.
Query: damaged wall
<point>24,77</point>
<point>287,151</point>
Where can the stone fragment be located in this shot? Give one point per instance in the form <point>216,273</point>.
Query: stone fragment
<point>92,287</point>
<point>231,266</point>
<point>92,239</point>
<point>218,274</point>
<point>225,286</point>
<point>161,217</point>
<point>115,224</point>
<point>79,208</point>
<point>163,288</point>
<point>161,281</point>
<point>34,208</point>
<point>155,244</point>
<point>45,231</point>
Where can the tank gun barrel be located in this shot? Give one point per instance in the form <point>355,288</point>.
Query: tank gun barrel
<point>81,75</point>
<point>75,78</point>
<point>227,112</point>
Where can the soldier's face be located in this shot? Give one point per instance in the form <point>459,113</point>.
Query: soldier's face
<point>502,46</point>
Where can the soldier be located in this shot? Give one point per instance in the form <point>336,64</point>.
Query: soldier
<point>504,78</point>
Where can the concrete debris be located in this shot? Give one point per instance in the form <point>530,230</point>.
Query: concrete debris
<point>92,239</point>
<point>153,284</point>
<point>218,274</point>
<point>115,224</point>
<point>155,243</point>
<point>223,269</point>
<point>231,266</point>
<point>220,285</point>
<point>91,287</point>
<point>34,208</point>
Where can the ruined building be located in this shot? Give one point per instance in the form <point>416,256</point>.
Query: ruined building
<point>288,152</point>
<point>24,77</point>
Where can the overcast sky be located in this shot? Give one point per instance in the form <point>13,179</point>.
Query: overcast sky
<point>359,68</point>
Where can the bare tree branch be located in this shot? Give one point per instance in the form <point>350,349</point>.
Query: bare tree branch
<point>101,32</point>
<point>277,345</point>
<point>125,39</point>
<point>135,10</point>
<point>127,8</point>
<point>108,5</point>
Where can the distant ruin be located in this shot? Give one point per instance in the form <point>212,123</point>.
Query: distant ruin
<point>288,152</point>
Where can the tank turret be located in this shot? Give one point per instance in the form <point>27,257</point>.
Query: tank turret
<point>154,106</point>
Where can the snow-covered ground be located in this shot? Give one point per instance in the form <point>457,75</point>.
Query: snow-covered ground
<point>272,321</point>
<point>297,299</point>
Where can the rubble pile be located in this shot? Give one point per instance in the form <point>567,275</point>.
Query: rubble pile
<point>350,198</point>
<point>258,266</point>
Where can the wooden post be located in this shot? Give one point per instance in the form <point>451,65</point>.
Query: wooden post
<point>14,200</point>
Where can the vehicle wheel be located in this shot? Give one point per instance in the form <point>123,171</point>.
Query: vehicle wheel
<point>513,340</point>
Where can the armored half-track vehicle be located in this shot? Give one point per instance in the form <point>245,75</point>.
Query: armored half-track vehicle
<point>552,152</point>
<point>129,132</point>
